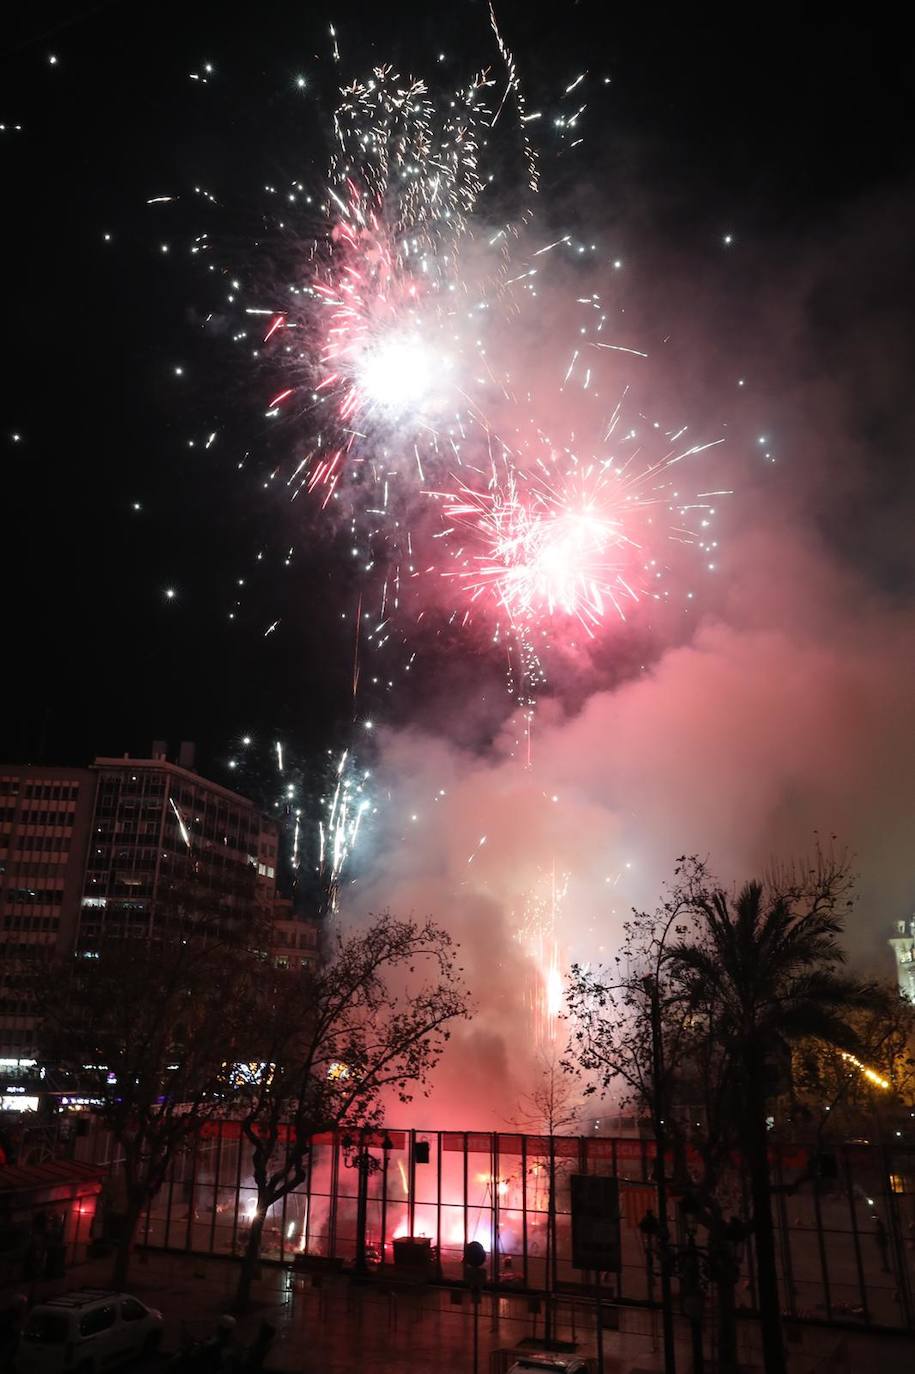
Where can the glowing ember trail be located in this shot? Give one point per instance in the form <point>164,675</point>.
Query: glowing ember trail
<point>339,830</point>
<point>538,935</point>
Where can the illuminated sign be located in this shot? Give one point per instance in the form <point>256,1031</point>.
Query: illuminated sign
<point>246,1075</point>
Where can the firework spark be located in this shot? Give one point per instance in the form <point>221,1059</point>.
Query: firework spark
<point>538,934</point>
<point>338,831</point>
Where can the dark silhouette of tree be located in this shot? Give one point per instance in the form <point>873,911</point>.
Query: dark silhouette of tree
<point>335,1041</point>
<point>704,1141</point>
<point>150,1029</point>
<point>761,972</point>
<point>700,1020</point>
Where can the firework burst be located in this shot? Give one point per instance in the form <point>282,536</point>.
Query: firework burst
<point>548,549</point>
<point>554,536</point>
<point>384,301</point>
<point>418,163</point>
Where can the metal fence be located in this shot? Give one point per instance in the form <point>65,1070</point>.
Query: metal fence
<point>845,1233</point>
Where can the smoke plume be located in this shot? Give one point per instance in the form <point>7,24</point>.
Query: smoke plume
<point>783,714</point>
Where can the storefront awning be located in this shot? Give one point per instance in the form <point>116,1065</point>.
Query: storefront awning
<point>54,1178</point>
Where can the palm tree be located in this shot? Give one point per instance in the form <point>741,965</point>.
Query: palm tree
<point>763,971</point>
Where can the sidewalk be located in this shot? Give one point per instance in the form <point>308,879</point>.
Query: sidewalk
<point>340,1327</point>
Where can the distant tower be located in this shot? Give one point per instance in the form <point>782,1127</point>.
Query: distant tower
<point>903,945</point>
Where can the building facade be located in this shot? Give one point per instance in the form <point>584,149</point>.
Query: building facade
<point>126,847</point>
<point>296,938</point>
<point>45,824</point>
<point>903,947</point>
<point>170,846</point>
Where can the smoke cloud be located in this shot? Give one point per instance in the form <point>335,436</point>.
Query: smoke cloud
<point>782,714</point>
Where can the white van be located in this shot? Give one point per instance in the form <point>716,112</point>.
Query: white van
<point>85,1332</point>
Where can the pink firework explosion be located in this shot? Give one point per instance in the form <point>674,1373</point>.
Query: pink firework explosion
<point>550,549</point>
<point>382,344</point>
<point>390,342</point>
<point>403,183</point>
<point>574,540</point>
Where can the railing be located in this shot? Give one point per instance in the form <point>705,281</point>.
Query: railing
<point>846,1244</point>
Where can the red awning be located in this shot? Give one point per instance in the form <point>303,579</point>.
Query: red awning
<point>20,1178</point>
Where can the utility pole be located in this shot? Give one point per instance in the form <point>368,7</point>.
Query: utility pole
<point>600,1321</point>
<point>650,985</point>
<point>474,1260</point>
<point>692,1298</point>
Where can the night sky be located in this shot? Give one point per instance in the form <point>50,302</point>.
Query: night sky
<point>718,120</point>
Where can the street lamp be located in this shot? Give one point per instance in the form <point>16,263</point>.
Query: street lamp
<point>687,1261</point>
<point>357,1155</point>
<point>695,1266</point>
<point>649,1227</point>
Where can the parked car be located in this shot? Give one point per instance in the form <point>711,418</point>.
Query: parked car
<point>536,1363</point>
<point>86,1331</point>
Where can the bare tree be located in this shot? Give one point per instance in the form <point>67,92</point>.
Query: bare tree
<point>552,1105</point>
<point>630,1032</point>
<point>335,1041</point>
<point>149,1029</point>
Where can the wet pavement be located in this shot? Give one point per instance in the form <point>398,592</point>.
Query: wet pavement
<point>328,1324</point>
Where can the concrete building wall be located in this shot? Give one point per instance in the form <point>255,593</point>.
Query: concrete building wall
<point>115,849</point>
<point>296,939</point>
<point>45,822</point>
